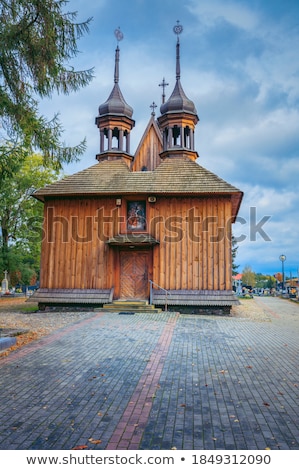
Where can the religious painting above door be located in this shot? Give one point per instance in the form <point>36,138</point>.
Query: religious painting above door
<point>136,216</point>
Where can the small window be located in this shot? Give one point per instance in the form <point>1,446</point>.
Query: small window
<point>136,216</point>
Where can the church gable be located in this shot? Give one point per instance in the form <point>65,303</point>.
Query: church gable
<point>147,154</point>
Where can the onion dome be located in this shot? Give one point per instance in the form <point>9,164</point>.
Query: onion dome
<point>178,102</point>
<point>116,104</point>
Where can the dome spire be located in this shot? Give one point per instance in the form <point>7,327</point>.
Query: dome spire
<point>177,29</point>
<point>116,67</point>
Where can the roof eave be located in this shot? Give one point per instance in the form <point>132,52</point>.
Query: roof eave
<point>237,196</point>
<point>236,203</point>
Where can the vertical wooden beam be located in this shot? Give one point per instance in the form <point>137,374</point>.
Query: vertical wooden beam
<point>215,243</point>
<point>184,245</point>
<point>209,228</point>
<point>222,236</point>
<point>79,209</point>
<point>228,258</point>
<point>169,272</point>
<point>162,248</point>
<point>192,228</point>
<point>177,207</point>
<point>204,245</point>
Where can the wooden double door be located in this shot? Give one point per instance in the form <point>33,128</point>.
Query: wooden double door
<point>134,274</point>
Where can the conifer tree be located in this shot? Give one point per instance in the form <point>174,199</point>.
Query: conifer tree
<point>38,40</point>
<point>234,254</point>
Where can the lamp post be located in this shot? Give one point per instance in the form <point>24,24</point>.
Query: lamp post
<point>282,259</point>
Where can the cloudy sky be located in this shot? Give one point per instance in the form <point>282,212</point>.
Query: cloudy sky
<point>240,66</point>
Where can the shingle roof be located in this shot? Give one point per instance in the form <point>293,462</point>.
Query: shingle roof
<point>174,176</point>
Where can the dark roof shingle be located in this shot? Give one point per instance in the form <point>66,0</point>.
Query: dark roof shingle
<point>174,176</point>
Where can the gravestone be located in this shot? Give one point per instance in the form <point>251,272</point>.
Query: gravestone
<point>4,285</point>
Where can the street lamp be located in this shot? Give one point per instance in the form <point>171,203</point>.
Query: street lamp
<point>282,259</point>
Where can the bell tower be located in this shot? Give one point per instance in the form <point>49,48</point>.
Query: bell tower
<point>178,116</point>
<point>115,119</point>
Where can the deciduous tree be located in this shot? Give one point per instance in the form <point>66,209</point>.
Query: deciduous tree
<point>21,217</point>
<point>248,277</point>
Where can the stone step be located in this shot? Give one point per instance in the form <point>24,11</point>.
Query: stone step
<point>130,302</point>
<point>126,306</point>
<point>130,307</point>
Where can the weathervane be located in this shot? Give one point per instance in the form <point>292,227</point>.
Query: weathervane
<point>177,29</point>
<point>119,37</point>
<point>118,34</point>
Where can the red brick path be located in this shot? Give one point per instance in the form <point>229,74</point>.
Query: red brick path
<point>129,430</point>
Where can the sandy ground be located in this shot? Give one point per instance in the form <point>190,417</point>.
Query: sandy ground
<point>29,324</point>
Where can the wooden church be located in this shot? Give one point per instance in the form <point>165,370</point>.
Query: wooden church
<point>154,226</point>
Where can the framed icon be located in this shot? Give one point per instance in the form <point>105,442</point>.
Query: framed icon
<point>136,216</point>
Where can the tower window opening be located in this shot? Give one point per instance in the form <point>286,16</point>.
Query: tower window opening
<point>115,138</point>
<point>187,141</point>
<point>176,134</point>
<point>165,138</point>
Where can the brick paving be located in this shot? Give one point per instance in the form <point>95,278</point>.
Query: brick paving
<point>155,381</point>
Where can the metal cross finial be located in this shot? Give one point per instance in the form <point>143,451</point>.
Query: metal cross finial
<point>163,85</point>
<point>118,34</point>
<point>153,106</point>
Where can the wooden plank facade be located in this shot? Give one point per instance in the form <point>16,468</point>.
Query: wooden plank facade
<point>130,219</point>
<point>193,249</point>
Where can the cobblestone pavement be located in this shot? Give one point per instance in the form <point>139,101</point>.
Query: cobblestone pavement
<point>157,381</point>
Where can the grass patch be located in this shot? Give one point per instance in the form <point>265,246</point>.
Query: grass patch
<point>29,309</point>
